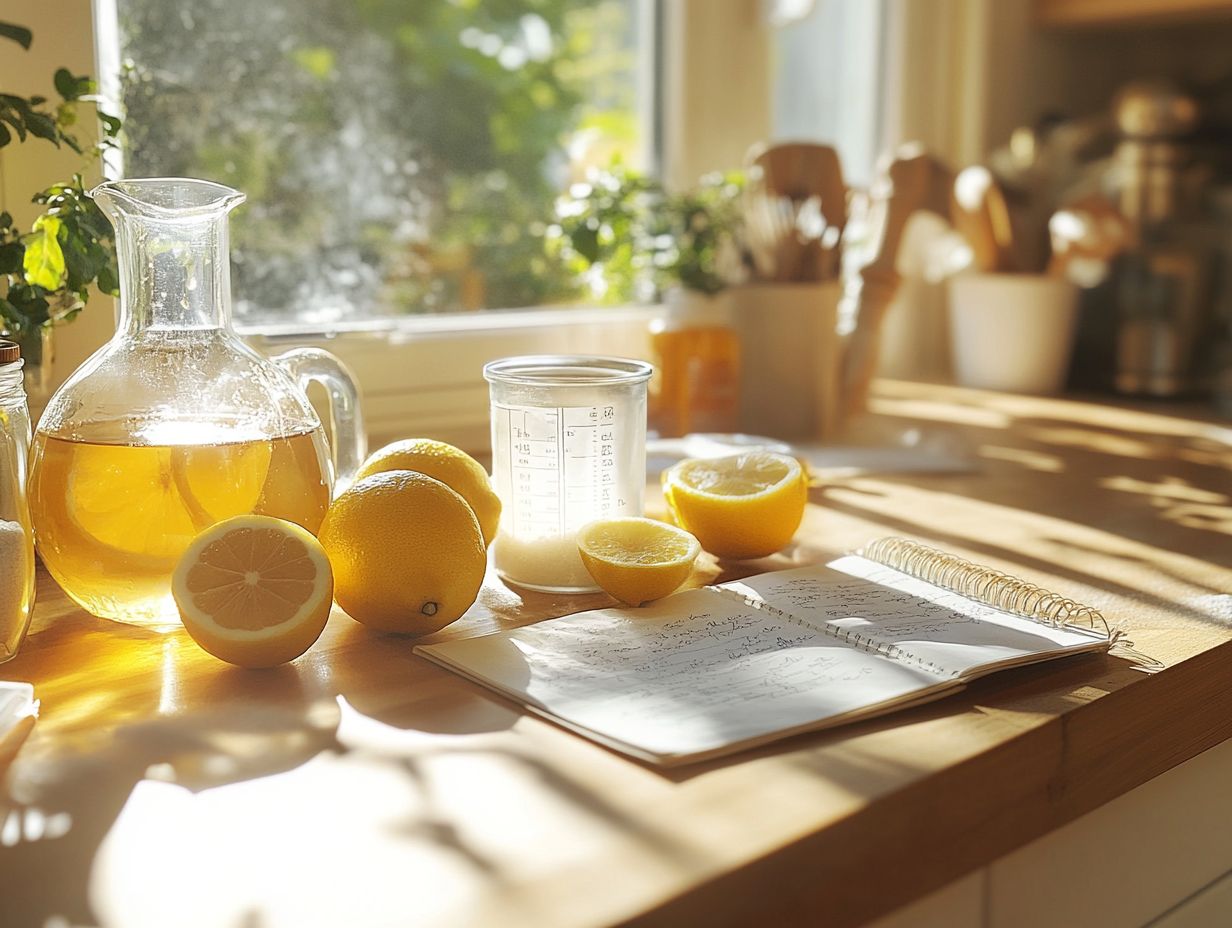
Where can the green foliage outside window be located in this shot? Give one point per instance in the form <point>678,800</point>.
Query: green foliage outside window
<point>397,154</point>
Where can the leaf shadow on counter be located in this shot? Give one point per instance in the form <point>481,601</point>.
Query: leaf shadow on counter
<point>160,711</point>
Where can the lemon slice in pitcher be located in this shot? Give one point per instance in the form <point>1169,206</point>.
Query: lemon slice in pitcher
<point>637,560</point>
<point>219,481</point>
<point>151,500</point>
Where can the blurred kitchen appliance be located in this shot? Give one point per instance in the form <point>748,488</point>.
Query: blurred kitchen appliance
<point>1163,281</point>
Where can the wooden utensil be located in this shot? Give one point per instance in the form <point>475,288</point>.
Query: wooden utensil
<point>803,174</point>
<point>912,181</point>
<point>1085,236</point>
<point>770,228</point>
<point>981,215</point>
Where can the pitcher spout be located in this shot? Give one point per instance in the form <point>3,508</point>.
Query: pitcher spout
<point>171,241</point>
<point>165,198</point>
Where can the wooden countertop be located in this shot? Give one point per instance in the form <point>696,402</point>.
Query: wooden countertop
<point>363,786</point>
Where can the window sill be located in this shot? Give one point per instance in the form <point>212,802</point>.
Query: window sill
<point>424,375</point>
<point>458,324</point>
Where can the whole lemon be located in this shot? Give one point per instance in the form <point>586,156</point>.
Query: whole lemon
<point>451,466</point>
<point>406,550</point>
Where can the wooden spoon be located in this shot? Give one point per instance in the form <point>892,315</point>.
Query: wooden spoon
<point>981,216</point>
<point>800,172</point>
<point>912,181</point>
<point>1085,236</point>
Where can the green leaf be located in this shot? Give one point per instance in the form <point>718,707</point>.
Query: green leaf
<point>5,135</point>
<point>83,259</point>
<point>44,259</point>
<point>6,221</point>
<point>111,124</point>
<point>585,241</point>
<point>10,257</point>
<point>109,279</point>
<point>71,86</point>
<point>93,222</point>
<point>43,126</point>
<point>31,308</point>
<point>16,121</point>
<point>13,320</point>
<point>19,34</point>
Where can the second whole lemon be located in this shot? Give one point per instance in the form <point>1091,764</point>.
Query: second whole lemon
<point>407,552</point>
<point>451,466</point>
<point>744,506</point>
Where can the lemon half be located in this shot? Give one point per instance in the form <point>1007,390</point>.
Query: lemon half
<point>744,506</point>
<point>254,590</point>
<point>637,560</point>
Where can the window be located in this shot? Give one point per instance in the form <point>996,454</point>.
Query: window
<point>829,76</point>
<point>399,156</point>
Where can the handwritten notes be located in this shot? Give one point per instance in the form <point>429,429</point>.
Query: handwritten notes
<point>690,674</point>
<point>711,671</point>
<point>875,606</point>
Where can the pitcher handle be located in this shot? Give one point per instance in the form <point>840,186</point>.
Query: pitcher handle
<point>349,446</point>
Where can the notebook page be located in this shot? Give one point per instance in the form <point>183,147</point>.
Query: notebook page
<point>958,636</point>
<point>690,674</point>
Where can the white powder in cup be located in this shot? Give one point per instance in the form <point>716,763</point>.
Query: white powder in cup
<point>14,575</point>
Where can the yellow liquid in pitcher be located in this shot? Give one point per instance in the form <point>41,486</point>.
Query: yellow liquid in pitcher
<point>111,520</point>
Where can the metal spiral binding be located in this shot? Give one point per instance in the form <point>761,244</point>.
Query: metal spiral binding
<point>886,649</point>
<point>986,585</point>
<point>856,640</point>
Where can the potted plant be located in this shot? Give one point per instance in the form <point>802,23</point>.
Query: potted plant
<point>46,271</point>
<point>631,241</point>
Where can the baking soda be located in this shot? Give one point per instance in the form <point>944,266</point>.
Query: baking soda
<point>15,586</point>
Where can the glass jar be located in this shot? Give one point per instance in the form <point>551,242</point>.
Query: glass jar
<point>568,447</point>
<point>16,538</point>
<point>696,385</point>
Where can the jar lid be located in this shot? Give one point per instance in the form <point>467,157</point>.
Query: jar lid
<point>9,352</point>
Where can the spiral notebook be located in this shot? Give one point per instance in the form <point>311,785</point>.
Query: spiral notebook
<point>721,669</point>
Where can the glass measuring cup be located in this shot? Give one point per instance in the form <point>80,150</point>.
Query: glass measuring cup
<point>568,447</point>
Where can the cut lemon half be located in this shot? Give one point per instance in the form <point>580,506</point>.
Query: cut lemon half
<point>744,506</point>
<point>637,560</point>
<point>254,590</point>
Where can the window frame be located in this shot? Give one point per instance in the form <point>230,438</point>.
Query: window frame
<point>423,374</point>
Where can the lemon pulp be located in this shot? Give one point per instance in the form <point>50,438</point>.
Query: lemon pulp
<point>637,560</point>
<point>743,506</point>
<point>254,590</point>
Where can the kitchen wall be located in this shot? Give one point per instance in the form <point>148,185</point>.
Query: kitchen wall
<point>1029,71</point>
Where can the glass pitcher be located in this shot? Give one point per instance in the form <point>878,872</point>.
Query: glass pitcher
<point>176,423</point>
